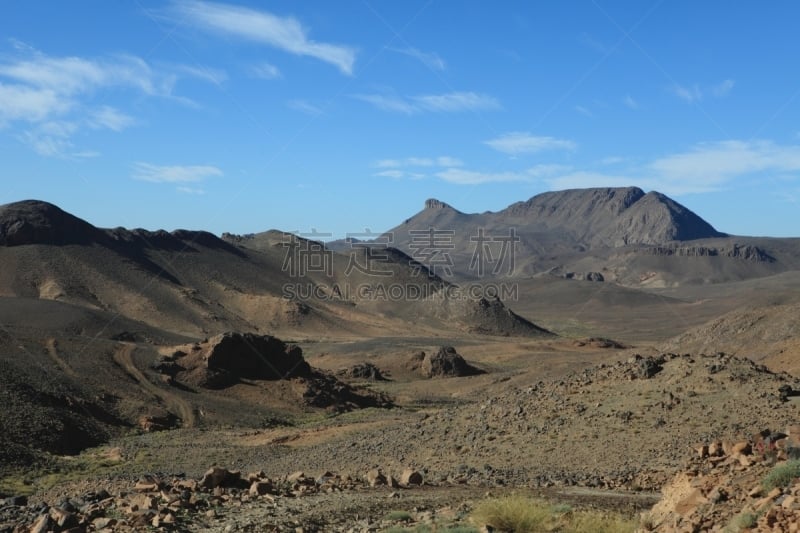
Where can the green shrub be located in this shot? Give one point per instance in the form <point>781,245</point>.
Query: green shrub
<point>782,475</point>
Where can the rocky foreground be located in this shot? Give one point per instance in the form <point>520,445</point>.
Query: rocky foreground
<point>222,500</point>
<point>730,486</point>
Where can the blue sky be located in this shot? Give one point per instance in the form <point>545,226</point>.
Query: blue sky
<point>341,116</point>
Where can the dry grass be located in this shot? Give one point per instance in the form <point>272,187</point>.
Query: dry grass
<point>525,515</point>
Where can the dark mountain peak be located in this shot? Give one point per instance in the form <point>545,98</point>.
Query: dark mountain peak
<point>38,222</point>
<point>657,218</point>
<point>433,203</point>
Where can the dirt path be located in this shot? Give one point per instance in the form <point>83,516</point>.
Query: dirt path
<point>52,352</point>
<point>123,356</point>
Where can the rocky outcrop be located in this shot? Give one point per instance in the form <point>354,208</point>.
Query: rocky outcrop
<point>745,252</point>
<point>484,316</point>
<point>585,276</point>
<point>232,358</point>
<point>433,203</point>
<point>224,360</point>
<point>744,484</point>
<point>366,371</point>
<point>446,362</point>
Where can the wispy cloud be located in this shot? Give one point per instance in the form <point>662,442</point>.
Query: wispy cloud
<point>208,74</point>
<point>706,167</point>
<point>457,101</point>
<point>388,103</point>
<point>20,102</point>
<point>630,102</point>
<point>38,91</point>
<point>304,107</point>
<point>709,166</point>
<point>584,179</point>
<point>441,161</point>
<point>583,111</point>
<point>109,118</point>
<point>266,71</point>
<point>409,167</point>
<point>689,94</point>
<point>516,143</point>
<point>441,103</point>
<point>396,174</point>
<point>284,33</point>
<point>694,93</point>
<point>468,177</point>
<point>723,88</point>
<point>190,190</point>
<point>429,59</point>
<point>174,173</point>
<point>460,176</point>
<point>50,139</point>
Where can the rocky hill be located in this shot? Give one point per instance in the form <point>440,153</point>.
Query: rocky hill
<point>623,235</point>
<point>194,283</point>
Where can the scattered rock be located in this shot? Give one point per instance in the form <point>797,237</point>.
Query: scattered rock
<point>366,371</point>
<point>446,362</point>
<point>410,477</point>
<point>220,477</point>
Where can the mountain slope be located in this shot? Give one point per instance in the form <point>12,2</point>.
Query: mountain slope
<point>622,235</point>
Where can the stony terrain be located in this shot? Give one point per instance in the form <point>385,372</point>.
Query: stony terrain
<point>132,360</point>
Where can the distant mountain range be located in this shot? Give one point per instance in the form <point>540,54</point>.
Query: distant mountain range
<point>613,234</point>
<point>577,218</point>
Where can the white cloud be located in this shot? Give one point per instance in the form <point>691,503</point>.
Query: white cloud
<point>704,168</point>
<point>429,59</point>
<point>174,173</point>
<point>583,111</point>
<point>441,161</point>
<point>441,103</point>
<point>689,94</point>
<point>723,88</point>
<point>304,107</point>
<point>468,177</point>
<point>208,74</point>
<point>190,190</point>
<point>457,101</point>
<point>388,103</point>
<point>695,93</point>
<point>40,90</point>
<point>584,179</point>
<point>20,102</point>
<point>630,102</point>
<point>48,145</point>
<point>709,166</point>
<point>110,118</point>
<point>266,71</point>
<point>399,168</point>
<point>396,174</point>
<point>285,33</point>
<point>516,143</point>
<point>446,161</point>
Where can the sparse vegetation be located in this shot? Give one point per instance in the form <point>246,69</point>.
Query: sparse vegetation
<point>520,515</point>
<point>782,475</point>
<point>742,522</point>
<point>425,528</point>
<point>399,516</point>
